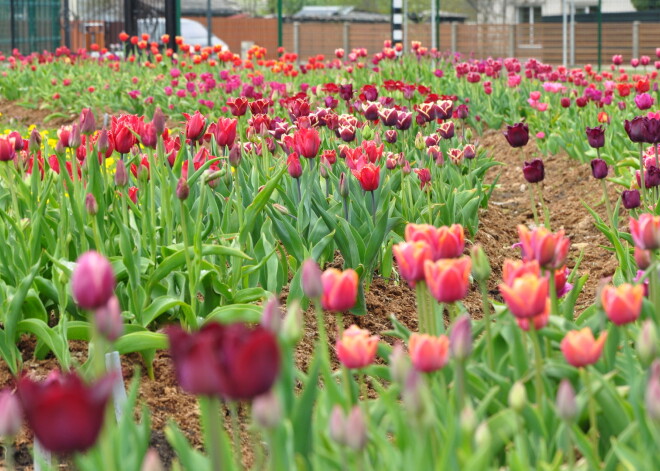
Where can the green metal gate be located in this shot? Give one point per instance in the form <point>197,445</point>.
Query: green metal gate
<point>30,25</point>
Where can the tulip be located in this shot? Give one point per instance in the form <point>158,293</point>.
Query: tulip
<point>480,266</point>
<point>34,143</point>
<point>599,169</point>
<point>445,241</point>
<point>368,175</point>
<point>539,321</point>
<point>596,136</point>
<point>447,130</point>
<point>391,136</point>
<point>517,135</point>
<point>65,415</point>
<point>428,353</point>
<point>238,106</point>
<point>224,132</point>
<point>514,269</point>
<point>7,150</point>
<point>93,280</point>
<point>580,348</point>
<point>644,101</point>
<point>356,429</point>
<point>306,142</point>
<point>645,231</point>
<point>151,460</point>
<point>87,122</point>
<point>311,278</point>
<point>267,410</point>
<point>124,138</point>
<point>410,257</point>
<point>448,279</point>
<point>11,416</point>
<point>567,408</point>
<point>424,175</point>
<point>108,320</point>
<point>91,206</point>
<point>518,397</point>
<point>526,296</point>
<point>622,304</point>
<point>195,126</point>
<point>233,361</point>
<point>534,171</point>
<point>630,199</point>
<point>549,249</point>
<point>647,342</point>
<point>636,129</point>
<point>461,338</point>
<point>356,348</point>
<point>652,398</point>
<point>158,121</point>
<point>339,289</point>
<point>293,165</point>
<point>642,258</point>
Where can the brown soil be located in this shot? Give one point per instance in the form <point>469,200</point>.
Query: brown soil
<point>567,184</point>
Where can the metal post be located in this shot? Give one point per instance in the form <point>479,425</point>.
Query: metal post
<point>406,43</point>
<point>564,30</point>
<point>572,59</point>
<point>512,40</point>
<point>454,36</point>
<point>437,21</point>
<point>67,23</point>
<point>600,35</point>
<point>296,38</point>
<point>209,23</point>
<point>172,22</point>
<point>279,23</point>
<point>635,39</point>
<point>397,21</point>
<point>347,37</point>
<point>12,24</point>
<point>434,25</point>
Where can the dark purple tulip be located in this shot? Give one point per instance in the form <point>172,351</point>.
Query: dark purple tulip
<point>599,168</point>
<point>391,136</point>
<point>534,171</point>
<point>370,111</point>
<point>389,116</point>
<point>652,130</point>
<point>404,120</point>
<point>93,281</point>
<point>462,111</point>
<point>65,414</point>
<point>636,129</point>
<point>517,135</point>
<point>346,91</point>
<point>630,199</point>
<point>652,177</point>
<point>232,361</point>
<point>596,136</point>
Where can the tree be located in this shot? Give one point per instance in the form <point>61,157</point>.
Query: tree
<point>646,4</point>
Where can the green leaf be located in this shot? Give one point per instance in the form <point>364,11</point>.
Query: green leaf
<point>140,341</point>
<point>235,313</point>
<point>160,306</point>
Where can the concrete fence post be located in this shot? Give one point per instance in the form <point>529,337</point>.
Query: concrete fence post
<point>347,43</point>
<point>454,36</point>
<point>635,39</point>
<point>512,40</point>
<point>296,38</point>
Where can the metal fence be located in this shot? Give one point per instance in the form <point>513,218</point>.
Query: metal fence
<point>36,25</point>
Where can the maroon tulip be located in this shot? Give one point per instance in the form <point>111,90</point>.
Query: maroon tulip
<point>391,136</point>
<point>87,122</point>
<point>232,361</point>
<point>599,168</point>
<point>93,281</point>
<point>65,414</point>
<point>534,171</point>
<point>158,121</point>
<point>517,135</point>
<point>149,136</point>
<point>238,106</point>
<point>195,126</point>
<point>630,199</point>
<point>596,136</point>
<point>389,116</point>
<point>346,91</point>
<point>224,132</point>
<point>307,142</point>
<point>404,120</point>
<point>636,129</point>
<point>447,130</point>
<point>462,112</point>
<point>565,102</point>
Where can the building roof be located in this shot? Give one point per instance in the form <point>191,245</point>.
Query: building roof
<point>218,8</point>
<point>343,13</point>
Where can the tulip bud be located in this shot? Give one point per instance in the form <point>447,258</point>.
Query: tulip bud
<point>480,265</point>
<point>151,461</point>
<point>93,281</point>
<point>235,156</point>
<point>11,416</point>
<point>517,397</point>
<point>356,429</point>
<point>630,199</point>
<point>267,410</point>
<point>566,404</point>
<point>367,133</point>
<point>338,425</point>
<point>468,134</point>
<point>35,141</point>
<point>87,122</point>
<point>182,189</point>
<point>324,169</point>
<point>311,279</point>
<point>599,169</point>
<point>460,338</point>
<point>391,136</point>
<point>482,436</point>
<point>91,205</point>
<point>653,392</point>
<point>121,175</point>
<point>108,320</point>
<point>647,342</point>
<point>75,139</point>
<point>534,171</point>
<point>292,328</point>
<point>343,185</point>
<point>468,420</point>
<point>420,144</point>
<point>399,364</point>
<point>158,121</point>
<point>642,257</point>
<point>103,142</point>
<point>271,318</point>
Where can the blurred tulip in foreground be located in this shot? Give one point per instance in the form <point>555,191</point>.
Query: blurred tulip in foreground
<point>356,348</point>
<point>428,353</point>
<point>339,289</point>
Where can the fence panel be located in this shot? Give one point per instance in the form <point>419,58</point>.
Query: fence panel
<point>29,25</point>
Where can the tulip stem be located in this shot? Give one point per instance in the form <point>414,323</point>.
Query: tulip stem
<point>299,190</point>
<point>9,454</point>
<point>373,207</point>
<point>189,266</point>
<point>641,172</point>
<point>239,200</point>
<point>533,203</point>
<point>608,207</point>
<point>546,211</point>
<point>554,301</point>
<point>591,404</point>
<point>236,433</point>
<point>215,440</point>
<point>653,284</point>
<point>538,362</point>
<point>460,384</point>
<point>486,308</point>
<point>422,309</point>
<point>570,451</point>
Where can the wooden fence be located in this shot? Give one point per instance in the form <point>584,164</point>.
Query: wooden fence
<point>542,40</point>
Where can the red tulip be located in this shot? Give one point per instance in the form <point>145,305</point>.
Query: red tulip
<point>65,414</point>
<point>580,348</point>
<point>368,175</point>
<point>339,289</point>
<point>645,231</point>
<point>411,256</point>
<point>448,278</point>
<point>238,106</point>
<point>526,295</point>
<point>195,126</point>
<point>539,321</point>
<point>293,165</point>
<point>224,132</point>
<point>356,348</point>
<point>428,353</point>
<point>622,304</point>
<point>93,281</point>
<point>307,142</point>
<point>232,361</point>
<point>7,151</point>
<point>549,249</point>
<point>445,241</point>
